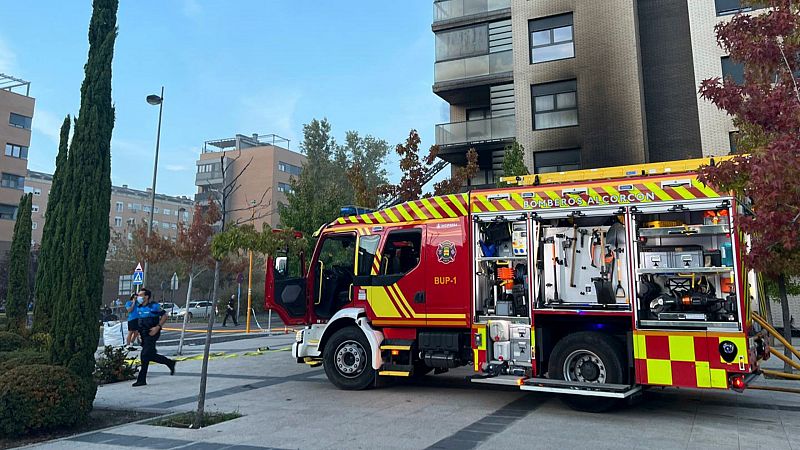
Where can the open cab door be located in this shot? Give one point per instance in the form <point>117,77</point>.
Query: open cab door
<point>285,288</point>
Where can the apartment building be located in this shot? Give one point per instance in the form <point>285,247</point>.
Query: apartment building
<point>257,176</point>
<point>16,116</point>
<point>130,208</point>
<point>580,84</point>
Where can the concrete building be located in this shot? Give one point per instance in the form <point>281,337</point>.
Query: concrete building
<point>257,175</point>
<point>130,208</point>
<point>580,84</point>
<point>16,116</point>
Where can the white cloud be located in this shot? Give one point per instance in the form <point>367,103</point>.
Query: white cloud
<point>8,59</point>
<point>176,167</point>
<point>48,125</point>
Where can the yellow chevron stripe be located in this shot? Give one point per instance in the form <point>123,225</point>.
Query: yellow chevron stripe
<point>365,218</point>
<point>431,209</point>
<point>683,192</point>
<point>401,299</point>
<point>415,208</point>
<point>707,191</point>
<point>593,193</point>
<point>443,204</point>
<point>391,215</point>
<point>402,210</point>
<point>379,217</point>
<point>654,188</point>
<point>353,219</point>
<point>506,205</point>
<point>611,190</point>
<point>455,200</point>
<point>518,198</point>
<point>341,220</point>
<point>380,302</point>
<point>489,206</point>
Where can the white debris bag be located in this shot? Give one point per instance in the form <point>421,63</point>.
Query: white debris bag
<point>114,333</point>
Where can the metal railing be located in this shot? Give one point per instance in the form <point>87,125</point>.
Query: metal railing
<point>475,66</point>
<point>493,128</point>
<point>451,9</point>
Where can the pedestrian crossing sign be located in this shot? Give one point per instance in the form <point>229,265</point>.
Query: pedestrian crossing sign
<point>138,275</point>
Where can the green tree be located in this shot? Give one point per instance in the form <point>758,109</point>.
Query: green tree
<point>86,199</point>
<point>48,274</point>
<point>19,292</point>
<point>361,159</point>
<point>513,162</point>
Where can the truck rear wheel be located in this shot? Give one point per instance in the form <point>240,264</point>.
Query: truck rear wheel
<point>347,360</point>
<point>588,357</point>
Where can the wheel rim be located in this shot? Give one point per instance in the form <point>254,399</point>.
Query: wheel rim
<point>351,359</point>
<point>585,367</point>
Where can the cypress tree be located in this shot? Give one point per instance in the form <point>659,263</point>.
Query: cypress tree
<point>48,274</point>
<point>86,203</point>
<point>19,292</point>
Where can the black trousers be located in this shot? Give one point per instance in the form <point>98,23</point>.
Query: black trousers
<point>232,315</point>
<point>149,353</point>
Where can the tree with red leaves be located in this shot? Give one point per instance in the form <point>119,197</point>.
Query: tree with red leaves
<point>766,109</point>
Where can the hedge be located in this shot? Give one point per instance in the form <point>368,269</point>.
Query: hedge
<point>10,342</point>
<point>41,397</point>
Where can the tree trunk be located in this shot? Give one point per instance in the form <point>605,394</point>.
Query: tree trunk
<point>787,320</point>
<point>201,398</point>
<point>186,312</point>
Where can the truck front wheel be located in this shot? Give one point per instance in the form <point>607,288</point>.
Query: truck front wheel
<point>588,357</point>
<point>347,360</point>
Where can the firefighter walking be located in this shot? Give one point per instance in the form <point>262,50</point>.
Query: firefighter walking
<point>230,311</point>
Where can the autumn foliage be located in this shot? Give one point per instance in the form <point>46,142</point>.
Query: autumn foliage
<point>766,109</point>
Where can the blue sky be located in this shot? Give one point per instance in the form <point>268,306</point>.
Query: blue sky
<point>243,66</point>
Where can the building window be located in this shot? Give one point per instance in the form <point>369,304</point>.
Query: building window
<point>34,208</point>
<point>146,208</point>
<point>131,221</point>
<point>135,206</point>
<point>130,236</point>
<point>37,192</point>
<point>155,224</point>
<point>156,209</point>
<point>557,160</point>
<point>34,225</point>
<point>732,70</point>
<point>555,105</point>
<point>174,226</point>
<point>120,206</point>
<point>285,188</point>
<point>733,138</point>
<point>117,221</point>
<point>289,168</point>
<point>125,285</point>
<point>167,212</point>
<point>462,43</point>
<point>19,121</point>
<point>725,7</point>
<point>17,151</point>
<point>165,225</point>
<point>12,181</point>
<point>207,168</point>
<point>186,215</point>
<point>8,212</point>
<point>551,38</point>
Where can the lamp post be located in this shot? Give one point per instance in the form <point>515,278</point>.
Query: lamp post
<point>153,100</point>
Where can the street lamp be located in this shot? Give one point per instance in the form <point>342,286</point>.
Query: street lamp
<point>153,100</point>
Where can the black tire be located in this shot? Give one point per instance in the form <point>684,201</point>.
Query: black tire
<point>347,360</point>
<point>190,317</point>
<point>592,358</point>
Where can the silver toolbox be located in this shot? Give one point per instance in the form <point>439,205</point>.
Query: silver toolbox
<point>656,257</point>
<point>521,350</point>
<point>688,256</point>
<point>521,333</point>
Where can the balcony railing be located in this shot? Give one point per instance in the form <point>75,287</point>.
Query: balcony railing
<point>491,129</point>
<point>475,66</point>
<point>452,9</point>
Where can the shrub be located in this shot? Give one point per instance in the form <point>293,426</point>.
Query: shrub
<point>40,342</point>
<point>11,360</point>
<point>113,366</point>
<point>10,342</point>
<point>41,397</point>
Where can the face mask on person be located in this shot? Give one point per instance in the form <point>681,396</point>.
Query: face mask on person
<point>140,299</point>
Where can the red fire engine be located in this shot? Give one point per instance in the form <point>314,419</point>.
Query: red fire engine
<point>593,283</point>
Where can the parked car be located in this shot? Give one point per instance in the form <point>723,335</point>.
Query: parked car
<point>171,309</point>
<point>200,308</point>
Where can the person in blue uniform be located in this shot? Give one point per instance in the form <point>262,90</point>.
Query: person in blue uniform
<point>133,322</point>
<point>151,318</point>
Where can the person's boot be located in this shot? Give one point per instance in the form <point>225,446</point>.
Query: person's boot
<point>140,383</point>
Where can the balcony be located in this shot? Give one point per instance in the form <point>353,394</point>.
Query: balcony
<point>208,178</point>
<point>471,68</point>
<point>456,9</point>
<point>476,131</point>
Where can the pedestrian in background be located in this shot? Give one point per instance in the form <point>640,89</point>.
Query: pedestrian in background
<point>133,322</point>
<point>151,320</point>
<point>230,311</point>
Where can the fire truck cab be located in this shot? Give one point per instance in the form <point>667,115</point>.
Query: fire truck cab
<point>592,283</point>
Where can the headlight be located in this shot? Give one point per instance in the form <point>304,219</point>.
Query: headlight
<point>298,337</point>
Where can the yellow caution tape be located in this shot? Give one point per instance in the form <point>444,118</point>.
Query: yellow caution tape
<point>218,355</point>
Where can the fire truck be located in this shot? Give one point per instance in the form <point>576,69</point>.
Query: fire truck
<point>594,284</point>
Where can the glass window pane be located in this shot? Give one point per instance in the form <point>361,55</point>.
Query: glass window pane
<point>544,103</point>
<point>556,119</point>
<point>562,34</point>
<point>565,100</point>
<point>540,37</point>
<point>553,52</point>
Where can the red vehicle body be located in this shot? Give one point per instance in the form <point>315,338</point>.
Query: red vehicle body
<point>591,283</point>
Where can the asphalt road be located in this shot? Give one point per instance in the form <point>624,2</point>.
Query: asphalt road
<point>290,405</point>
